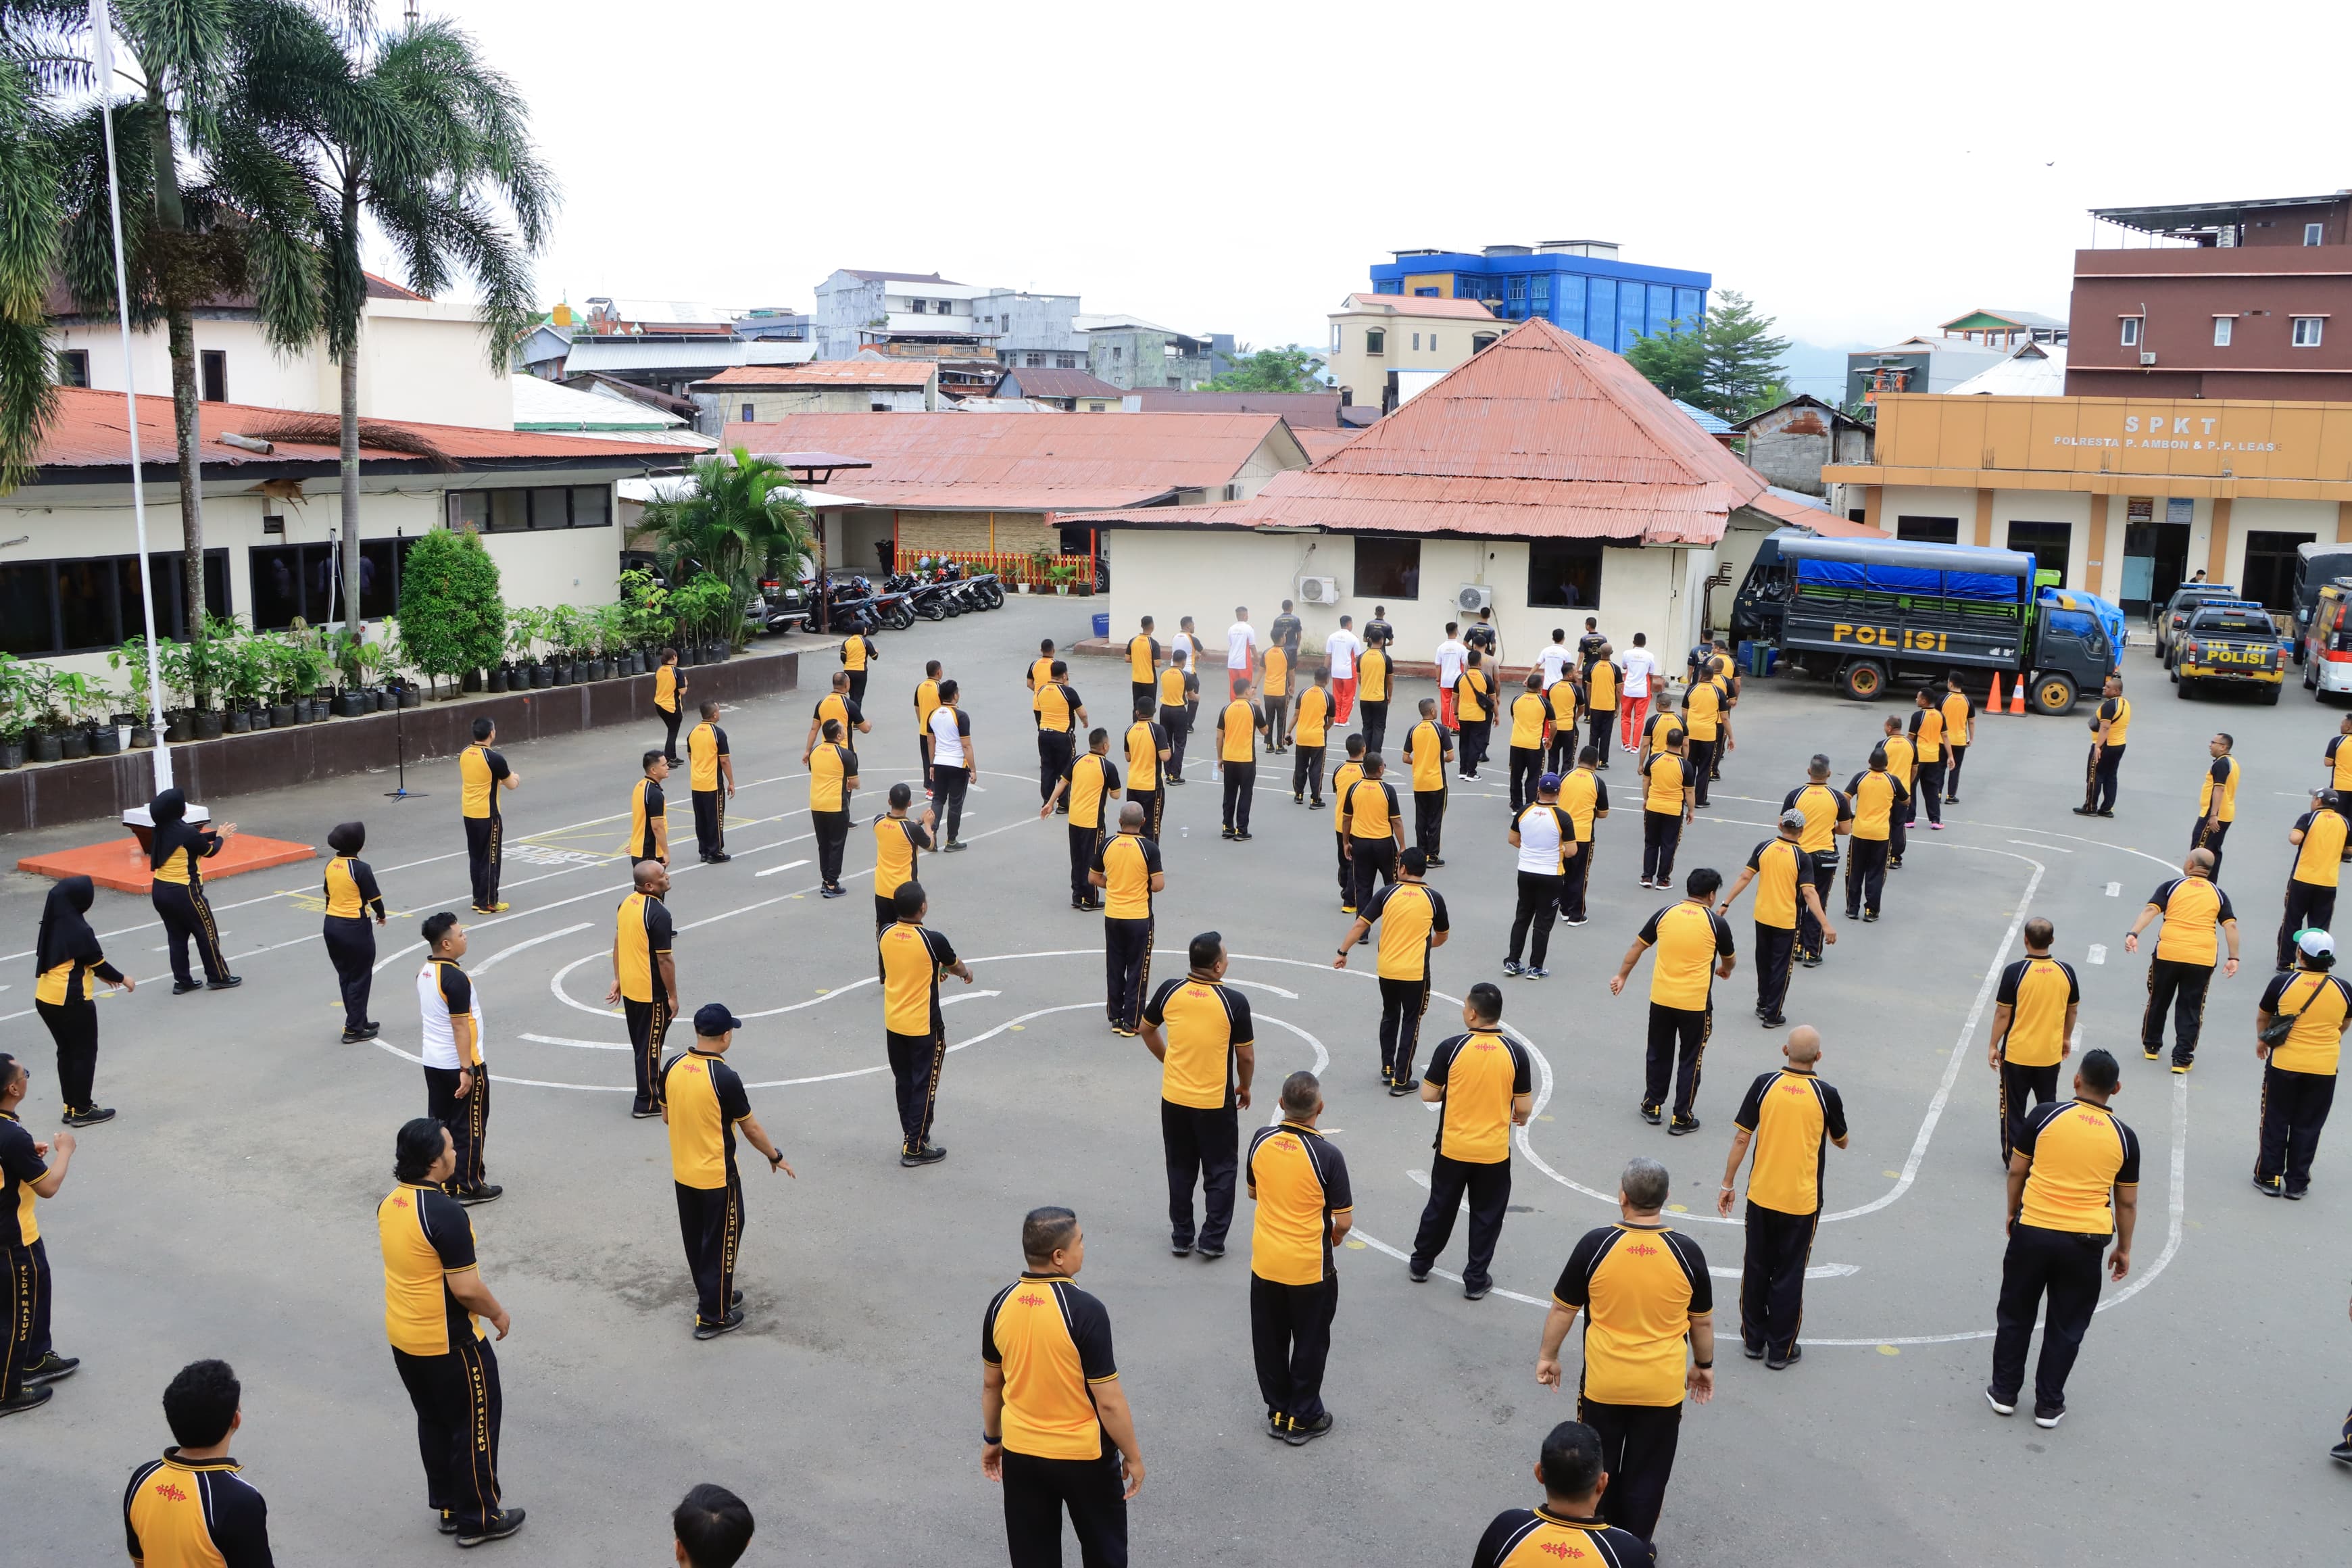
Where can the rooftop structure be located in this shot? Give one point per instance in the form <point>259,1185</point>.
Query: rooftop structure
<point>1579,285</point>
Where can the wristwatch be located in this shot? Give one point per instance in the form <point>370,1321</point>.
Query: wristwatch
<point>992,1442</point>
<point>1704,1365</point>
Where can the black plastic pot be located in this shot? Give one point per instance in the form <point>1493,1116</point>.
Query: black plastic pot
<point>410,697</point>
<point>106,741</point>
<point>281,714</point>
<point>208,725</point>
<point>498,679</point>
<point>142,738</point>
<point>73,744</point>
<point>12,755</point>
<point>47,749</point>
<point>542,676</point>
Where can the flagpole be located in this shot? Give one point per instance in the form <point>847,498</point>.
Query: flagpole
<point>105,62</point>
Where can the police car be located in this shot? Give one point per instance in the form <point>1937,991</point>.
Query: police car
<point>2228,642</point>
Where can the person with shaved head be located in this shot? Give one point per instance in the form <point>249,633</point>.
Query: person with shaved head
<point>645,978</point>
<point>1791,1118</point>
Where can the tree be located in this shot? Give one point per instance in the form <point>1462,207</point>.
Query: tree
<point>1674,361</point>
<point>1287,369</point>
<point>409,129</point>
<point>30,62</point>
<point>452,618</point>
<point>736,515</point>
<point>1729,366</point>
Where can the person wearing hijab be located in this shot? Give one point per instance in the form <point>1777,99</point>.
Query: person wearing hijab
<point>178,890</point>
<point>68,964</point>
<point>351,898</point>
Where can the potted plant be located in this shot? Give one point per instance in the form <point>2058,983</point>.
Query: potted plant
<point>65,715</point>
<point>15,718</point>
<point>1062,577</point>
<point>132,657</point>
<point>1041,568</point>
<point>103,721</point>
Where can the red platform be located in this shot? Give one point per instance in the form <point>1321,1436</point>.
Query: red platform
<point>120,864</point>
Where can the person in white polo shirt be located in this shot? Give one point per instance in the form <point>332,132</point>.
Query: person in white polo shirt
<point>1340,649</point>
<point>1451,656</point>
<point>457,1083</point>
<point>1641,667</point>
<point>1241,650</point>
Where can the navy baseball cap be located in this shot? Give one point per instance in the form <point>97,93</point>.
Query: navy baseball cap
<point>712,1019</point>
<point>1549,781</point>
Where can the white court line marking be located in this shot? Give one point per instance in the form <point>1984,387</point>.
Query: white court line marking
<point>787,866</point>
<point>967,996</point>
<point>1262,985</point>
<point>562,1040</point>
<point>2061,848</point>
<point>506,953</point>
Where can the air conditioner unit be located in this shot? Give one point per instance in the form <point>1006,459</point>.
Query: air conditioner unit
<point>1318,590</point>
<point>2147,359</point>
<point>1474,597</point>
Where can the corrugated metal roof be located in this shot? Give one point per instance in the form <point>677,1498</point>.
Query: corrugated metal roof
<point>2035,370</point>
<point>1543,435</point>
<point>625,355</point>
<point>1039,381</point>
<point>829,373</point>
<point>1299,409</point>
<point>1321,441</point>
<point>1713,424</point>
<point>548,406</point>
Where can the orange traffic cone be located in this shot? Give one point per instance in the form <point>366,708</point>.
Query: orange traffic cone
<point>2017,697</point>
<point>1992,703</point>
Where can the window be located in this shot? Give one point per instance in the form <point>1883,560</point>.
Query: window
<point>1433,342</point>
<point>1564,571</point>
<point>1036,362</point>
<point>1928,530</point>
<point>1426,293</point>
<point>748,415</point>
<point>1481,342</point>
<point>1335,337</point>
<point>877,409</point>
<point>212,371</point>
<point>1388,568</point>
<point>1066,362</point>
<point>1571,314</point>
<point>50,607</point>
<point>2047,542</point>
<point>1376,340</point>
<point>1601,311</point>
<point>1539,295</point>
<point>2221,326</point>
<point>2315,234</point>
<point>2131,331</point>
<point>1630,298</point>
<point>290,580</point>
<point>2267,576</point>
<point>915,307</point>
<point>1116,353</point>
<point>73,367</point>
<point>2306,331</point>
<point>1416,342</point>
<point>530,511</point>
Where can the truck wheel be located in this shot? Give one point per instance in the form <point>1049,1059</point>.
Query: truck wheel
<point>2271,694</point>
<point>1865,680</point>
<point>2184,690</point>
<point>2053,694</point>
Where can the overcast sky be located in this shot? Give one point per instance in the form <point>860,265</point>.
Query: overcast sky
<point>1862,173</point>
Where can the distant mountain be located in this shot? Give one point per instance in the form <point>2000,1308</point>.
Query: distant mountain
<point>1817,369</point>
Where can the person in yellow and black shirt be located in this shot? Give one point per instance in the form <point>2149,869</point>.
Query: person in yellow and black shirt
<point>1669,794</point>
<point>1343,780</point>
<point>1180,697</point>
<point>1959,728</point>
<point>69,962</point>
<point>1829,818</point>
<point>1877,798</point>
<point>1903,762</point>
<point>1783,875</point>
<point>482,773</point>
<point>1584,796</point>
<point>2217,800</point>
<point>1371,829</point>
<point>1310,736</point>
<point>1659,729</point>
<point>1413,921</point>
<point>29,1170</point>
<point>1278,672</point>
<point>1473,711</point>
<point>1375,689</point>
<point>1041,668</point>
<point>669,698</point>
<point>832,776</point>
<point>1238,725</point>
<point>1926,732</point>
<point>1567,1527</point>
<point>645,978</point>
<point>191,1509</point>
<point>1693,944</point>
<point>1198,1028</point>
<point>927,703</point>
<point>1304,1210</point>
<point>1565,700</point>
<point>1055,1428</point>
<point>2338,758</point>
<point>703,1103</point>
<point>2110,729</point>
<point>1649,1337</point>
<point>2193,911</point>
<point>858,653</point>
<point>837,704</point>
<point>2033,1027</point>
<point>900,841</point>
<point>1483,1084</point>
<point>2299,1067</point>
<point>1126,867</point>
<point>913,957</point>
<point>955,763</point>
<point>2073,1182</point>
<point>457,1079</point>
<point>1530,718</point>
<point>2318,835</point>
<point>1059,714</point>
<point>1792,1117</point>
<point>1142,664</point>
<point>649,813</point>
<point>1428,747</point>
<point>1702,717</point>
<point>433,1296</point>
<point>174,858</point>
<point>708,766</point>
<point>1603,686</point>
<point>1147,758</point>
<point>1084,792</point>
<point>352,901</point>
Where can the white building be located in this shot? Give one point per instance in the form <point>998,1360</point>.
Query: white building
<point>857,308</point>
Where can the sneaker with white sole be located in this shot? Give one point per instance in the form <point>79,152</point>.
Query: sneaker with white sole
<point>1999,1406</point>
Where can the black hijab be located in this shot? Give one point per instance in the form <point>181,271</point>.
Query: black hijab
<point>65,936</point>
<point>169,811</point>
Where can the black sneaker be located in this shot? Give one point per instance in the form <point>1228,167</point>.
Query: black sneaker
<point>1315,806</point>
<point>91,1117</point>
<point>487,1193</point>
<point>2342,1452</point>
<point>497,1527</point>
<point>1179,1250</point>
<point>2293,1194</point>
<point>1870,918</point>
<point>231,984</point>
<point>1682,1124</point>
<point>29,1399</point>
<point>1227,833</point>
<point>718,858</point>
<point>1243,837</point>
<point>2082,811</point>
<point>2000,1406</point>
<point>1211,1253</point>
<point>831,892</point>
<point>181,989</point>
<point>1775,1022</point>
<point>1437,860</point>
<point>1477,1292</point>
<point>1299,1436</point>
<point>449,1523</point>
<point>1400,1088</point>
<point>1511,966</point>
<point>1650,1114</point>
<point>1538,971</point>
<point>1780,1362</point>
<point>2048,1415</point>
<point>726,1325</point>
<point>1299,800</point>
<point>358,1037</point>
<point>1576,920</point>
<point>2151,1052</point>
<point>2270,1187</point>
<point>953,846</point>
<point>1812,960</point>
<point>639,1112</point>
<point>2096,813</point>
<point>50,1368</point>
<point>1753,1352</point>
<point>1416,1273</point>
<point>1276,1423</point>
<point>929,1154</point>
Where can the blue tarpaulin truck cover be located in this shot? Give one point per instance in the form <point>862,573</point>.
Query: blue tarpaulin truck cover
<point>1903,566</point>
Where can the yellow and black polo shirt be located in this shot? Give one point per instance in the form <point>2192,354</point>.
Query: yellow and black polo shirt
<point>351,889</point>
<point>1639,1286</point>
<point>1780,869</point>
<point>1314,718</point>
<point>1540,1538</point>
<point>1057,708</point>
<point>1373,669</point>
<point>1142,658</point>
<point>426,1238</point>
<point>1369,808</point>
<point>1583,795</point>
<point>1601,687</point>
<point>2319,860</point>
<point>704,744</point>
<point>194,1513</point>
<point>1410,915</point>
<point>1482,1072</point>
<point>1145,741</point>
<point>1902,761</point>
<point>1278,671</point>
<point>1670,778</point>
<point>2318,1003</point>
<point>2081,1152</point>
<point>1344,778</point>
<point>1299,1181</point>
<point>666,687</point>
<point>1689,938</point>
<point>2217,795</point>
<point>1426,747</point>
<point>926,701</point>
<point>1956,709</point>
<point>1128,862</point>
<point>1053,1340</point>
<point>1875,795</point>
<point>705,1099</point>
<point>1659,732</point>
<point>1530,714</point>
<point>1092,780</point>
<point>1927,733</point>
<point>479,769</point>
<point>1237,732</point>
<point>2339,762</point>
<point>1474,697</point>
<point>2193,910</point>
<point>646,806</point>
<point>179,853</point>
<point>911,959</point>
<point>898,842</point>
<point>1041,672</point>
<point>20,1167</point>
<point>1172,684</point>
<point>1703,709</point>
<point>1563,699</point>
<point>2116,711</point>
<point>838,705</point>
<point>76,979</point>
<point>1824,808</point>
<point>641,931</point>
<point>856,650</point>
<point>1795,1118</point>
<point>831,767</point>
<point>2037,991</point>
<point>1203,1021</point>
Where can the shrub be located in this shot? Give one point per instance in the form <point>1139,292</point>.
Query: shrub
<point>451,617</point>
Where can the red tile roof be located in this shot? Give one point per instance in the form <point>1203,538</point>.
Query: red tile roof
<point>828,372</point>
<point>1542,436</point>
<point>1025,462</point>
<point>90,432</point>
<point>1422,305</point>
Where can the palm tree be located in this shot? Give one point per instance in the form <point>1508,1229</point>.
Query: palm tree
<point>735,516</point>
<point>32,60</point>
<point>412,129</point>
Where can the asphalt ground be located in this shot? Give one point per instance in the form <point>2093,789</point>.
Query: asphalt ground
<point>227,1211</point>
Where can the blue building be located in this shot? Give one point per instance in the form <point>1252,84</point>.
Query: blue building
<point>1578,285</point>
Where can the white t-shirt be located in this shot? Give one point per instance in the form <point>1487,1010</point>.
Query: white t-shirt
<point>1450,653</point>
<point>440,1038</point>
<point>1342,649</point>
<point>1554,659</point>
<point>947,740</point>
<point>1540,841</point>
<point>1637,664</point>
<point>1241,638</point>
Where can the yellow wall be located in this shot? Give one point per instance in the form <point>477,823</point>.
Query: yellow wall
<point>1413,282</point>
